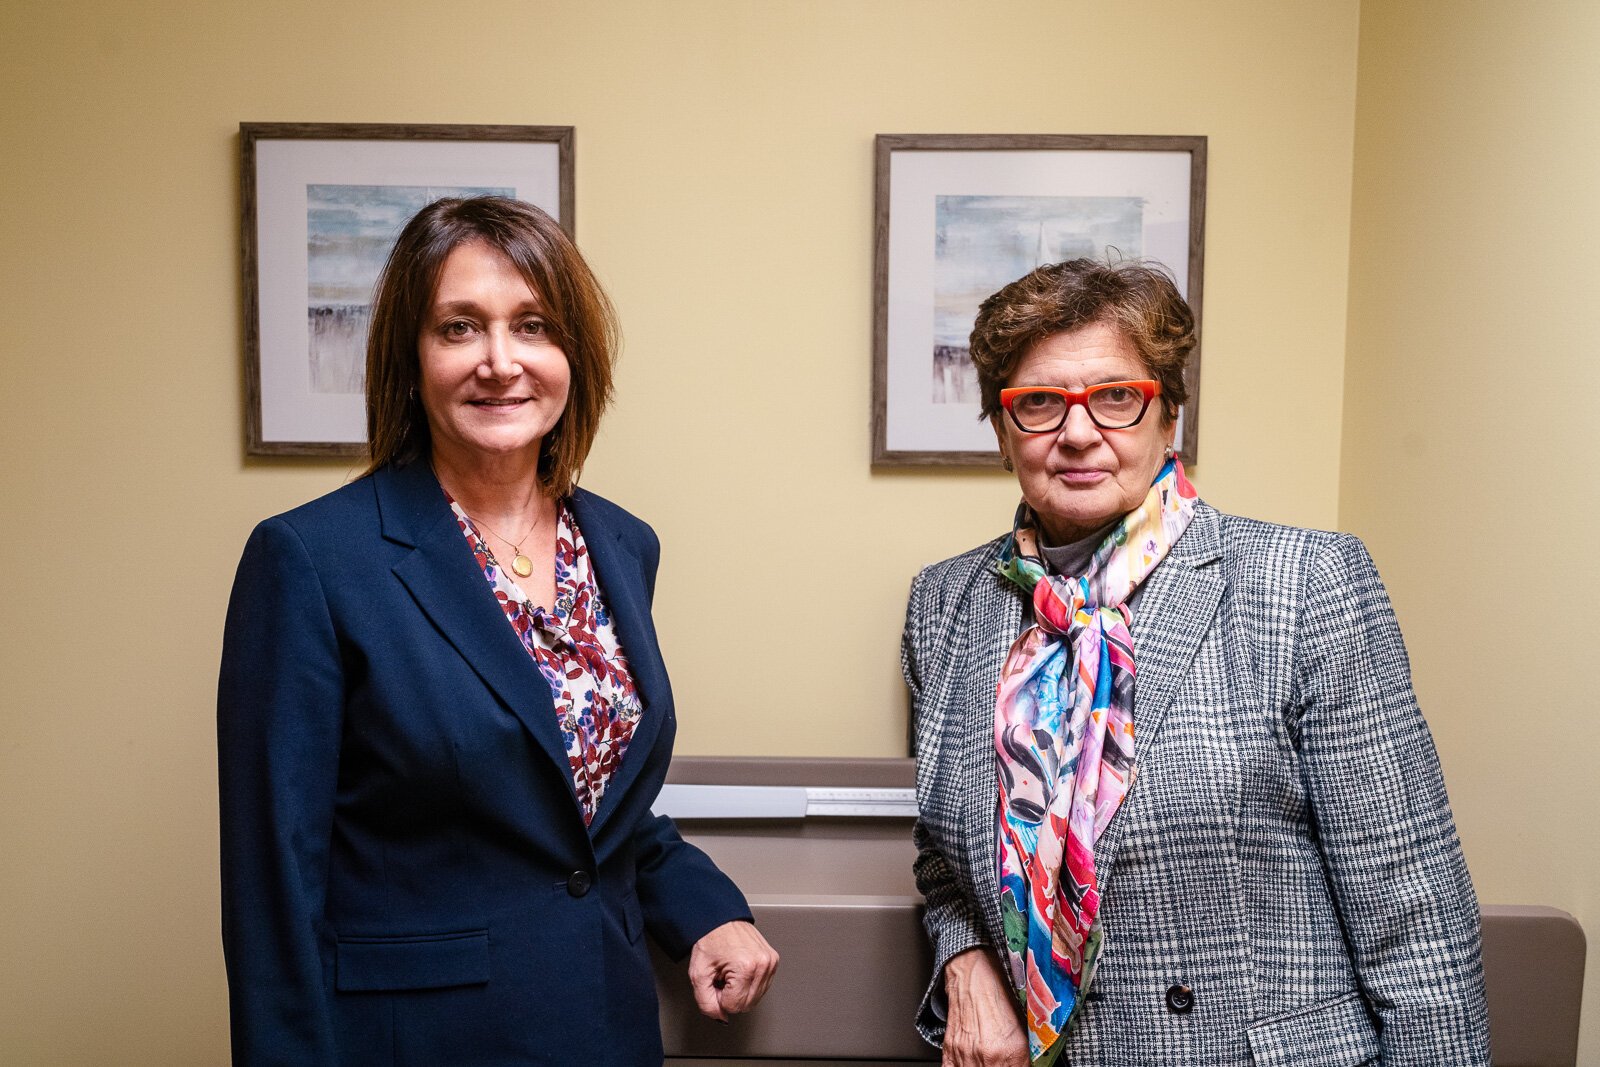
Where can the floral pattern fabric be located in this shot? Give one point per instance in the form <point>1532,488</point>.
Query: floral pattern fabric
<point>1064,737</point>
<point>576,649</point>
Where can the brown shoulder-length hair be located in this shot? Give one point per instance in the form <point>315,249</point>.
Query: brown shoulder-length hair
<point>1138,299</point>
<point>576,310</point>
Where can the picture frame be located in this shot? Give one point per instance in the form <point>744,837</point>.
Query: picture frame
<point>957,216</point>
<point>321,205</point>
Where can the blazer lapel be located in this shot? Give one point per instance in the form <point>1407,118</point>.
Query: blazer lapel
<point>619,574</point>
<point>997,609</point>
<point>1173,614</point>
<point>443,578</point>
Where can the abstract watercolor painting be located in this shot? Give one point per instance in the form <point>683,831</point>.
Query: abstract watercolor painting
<point>984,242</point>
<point>322,204</point>
<point>958,217</point>
<point>349,232</point>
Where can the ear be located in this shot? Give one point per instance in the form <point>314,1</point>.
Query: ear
<point>1000,439</point>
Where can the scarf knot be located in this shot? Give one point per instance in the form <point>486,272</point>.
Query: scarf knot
<point>1064,739</point>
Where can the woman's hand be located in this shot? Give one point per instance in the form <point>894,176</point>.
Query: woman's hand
<point>983,1028</point>
<point>730,969</point>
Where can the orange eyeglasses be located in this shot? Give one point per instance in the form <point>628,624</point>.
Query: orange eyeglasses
<point>1111,405</point>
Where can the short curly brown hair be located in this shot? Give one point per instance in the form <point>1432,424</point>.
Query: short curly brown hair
<point>1139,299</point>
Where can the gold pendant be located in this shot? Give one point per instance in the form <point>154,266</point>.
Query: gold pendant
<point>522,565</point>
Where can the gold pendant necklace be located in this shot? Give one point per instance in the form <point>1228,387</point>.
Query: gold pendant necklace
<point>521,565</point>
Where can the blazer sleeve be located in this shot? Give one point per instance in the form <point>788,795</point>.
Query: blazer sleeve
<point>682,894</point>
<point>1388,839</point>
<point>279,713</point>
<point>951,917</point>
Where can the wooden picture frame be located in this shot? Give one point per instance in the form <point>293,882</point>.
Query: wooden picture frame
<point>954,216</point>
<point>321,205</point>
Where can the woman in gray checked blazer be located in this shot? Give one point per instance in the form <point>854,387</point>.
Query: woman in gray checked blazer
<point>1177,803</point>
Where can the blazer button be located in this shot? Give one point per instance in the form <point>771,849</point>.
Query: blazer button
<point>579,883</point>
<point>1180,999</point>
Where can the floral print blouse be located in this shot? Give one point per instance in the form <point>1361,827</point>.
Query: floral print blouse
<point>576,649</point>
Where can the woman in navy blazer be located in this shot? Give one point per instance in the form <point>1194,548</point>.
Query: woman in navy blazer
<point>421,864</point>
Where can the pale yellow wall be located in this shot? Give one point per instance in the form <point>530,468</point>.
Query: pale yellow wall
<point>1469,426</point>
<point>724,164</point>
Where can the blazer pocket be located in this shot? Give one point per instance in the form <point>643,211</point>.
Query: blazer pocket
<point>426,961</point>
<point>1335,1033</point>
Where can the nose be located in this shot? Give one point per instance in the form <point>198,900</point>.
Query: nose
<point>1079,431</point>
<point>498,364</point>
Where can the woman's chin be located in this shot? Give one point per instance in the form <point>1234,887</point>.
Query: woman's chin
<point>496,447</point>
<point>1070,516</point>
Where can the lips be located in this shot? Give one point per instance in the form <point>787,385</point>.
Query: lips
<point>1082,476</point>
<point>500,402</point>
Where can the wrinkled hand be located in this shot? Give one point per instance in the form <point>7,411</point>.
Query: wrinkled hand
<point>983,1028</point>
<point>730,969</point>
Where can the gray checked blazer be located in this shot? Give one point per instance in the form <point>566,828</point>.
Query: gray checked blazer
<point>1286,850</point>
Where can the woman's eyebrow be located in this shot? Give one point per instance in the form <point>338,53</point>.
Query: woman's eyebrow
<point>1098,379</point>
<point>455,307</point>
<point>465,307</point>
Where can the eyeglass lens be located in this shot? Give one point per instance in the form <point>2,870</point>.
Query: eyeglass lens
<point>1115,408</point>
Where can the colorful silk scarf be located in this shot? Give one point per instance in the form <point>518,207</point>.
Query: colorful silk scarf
<point>1063,730</point>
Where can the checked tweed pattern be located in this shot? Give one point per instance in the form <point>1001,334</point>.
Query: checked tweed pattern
<point>1286,849</point>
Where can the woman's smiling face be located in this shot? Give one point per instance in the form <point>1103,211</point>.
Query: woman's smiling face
<point>1081,478</point>
<point>493,380</point>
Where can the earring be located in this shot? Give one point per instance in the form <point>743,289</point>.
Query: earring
<point>1169,452</point>
<point>1005,461</point>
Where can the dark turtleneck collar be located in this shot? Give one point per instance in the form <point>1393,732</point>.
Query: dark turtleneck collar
<point>1072,558</point>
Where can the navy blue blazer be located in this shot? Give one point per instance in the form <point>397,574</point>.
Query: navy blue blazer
<point>406,875</point>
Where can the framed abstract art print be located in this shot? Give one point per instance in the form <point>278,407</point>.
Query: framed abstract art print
<point>322,206</point>
<point>960,215</point>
